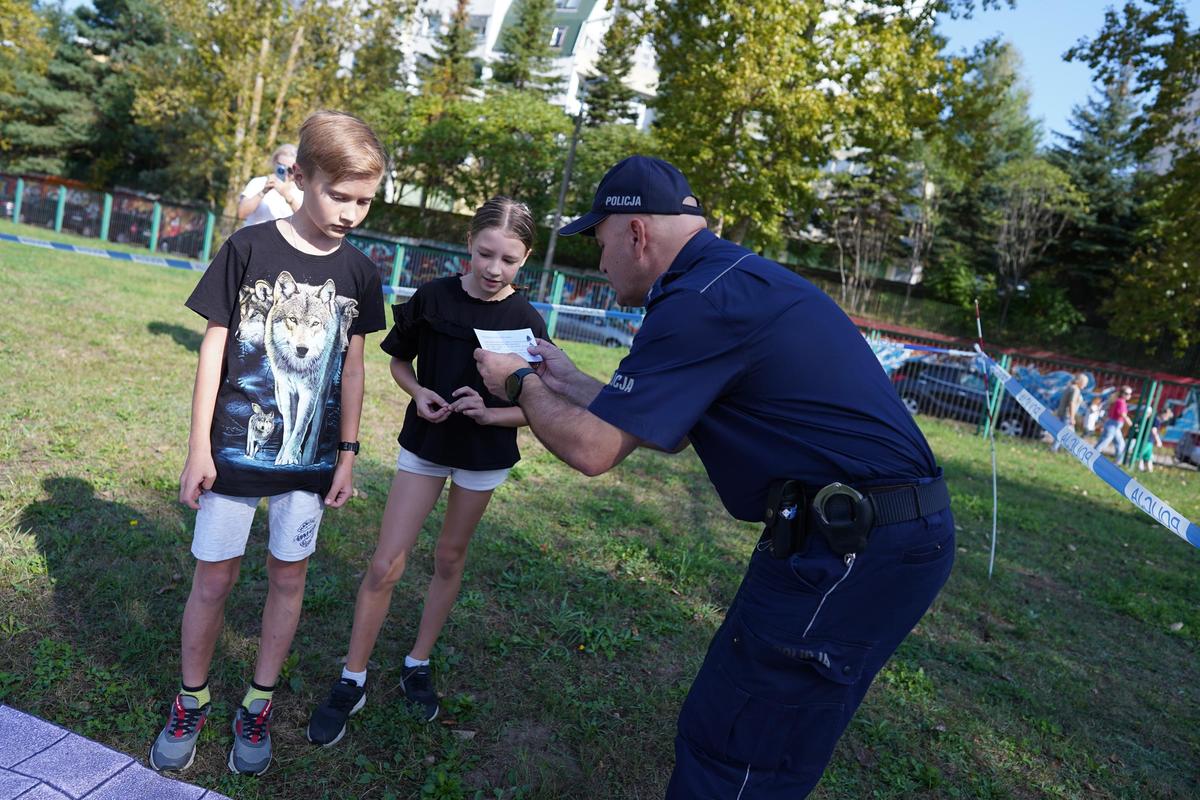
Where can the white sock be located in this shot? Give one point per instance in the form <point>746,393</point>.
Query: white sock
<point>410,662</point>
<point>358,677</point>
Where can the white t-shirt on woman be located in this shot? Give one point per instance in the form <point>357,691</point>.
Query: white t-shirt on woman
<point>273,205</point>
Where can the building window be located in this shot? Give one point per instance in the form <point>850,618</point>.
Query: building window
<point>566,5</point>
<point>557,35</point>
<point>477,24</point>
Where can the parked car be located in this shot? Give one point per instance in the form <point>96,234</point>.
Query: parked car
<point>958,391</point>
<point>594,330</point>
<point>1187,449</point>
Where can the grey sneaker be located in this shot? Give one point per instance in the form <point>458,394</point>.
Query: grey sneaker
<point>175,747</point>
<point>251,751</point>
<point>417,683</point>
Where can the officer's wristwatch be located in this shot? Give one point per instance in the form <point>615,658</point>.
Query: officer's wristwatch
<point>513,383</point>
<point>351,446</point>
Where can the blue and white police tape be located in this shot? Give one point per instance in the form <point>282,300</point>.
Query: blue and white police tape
<point>117,255</point>
<point>1151,505</point>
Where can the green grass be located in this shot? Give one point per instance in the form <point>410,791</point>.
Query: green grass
<point>586,606</point>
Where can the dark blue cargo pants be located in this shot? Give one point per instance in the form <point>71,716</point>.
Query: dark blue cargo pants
<point>800,645</point>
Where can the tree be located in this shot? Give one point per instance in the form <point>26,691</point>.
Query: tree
<point>861,213</point>
<point>47,118</point>
<point>516,146</point>
<point>509,143</point>
<point>754,100</point>
<point>25,47</point>
<point>378,61</point>
<point>1099,160</point>
<point>1157,297</point>
<point>451,73</point>
<point>609,97</point>
<point>526,62</point>
<point>1033,202</point>
<point>242,77</point>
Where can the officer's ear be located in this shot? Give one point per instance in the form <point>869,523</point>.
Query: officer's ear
<point>638,230</point>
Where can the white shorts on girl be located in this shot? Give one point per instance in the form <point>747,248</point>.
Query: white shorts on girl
<point>476,480</point>
<point>223,525</point>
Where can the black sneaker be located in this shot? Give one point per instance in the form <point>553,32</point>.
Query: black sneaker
<point>327,725</point>
<point>417,683</point>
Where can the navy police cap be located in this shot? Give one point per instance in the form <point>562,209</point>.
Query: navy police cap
<point>637,185</point>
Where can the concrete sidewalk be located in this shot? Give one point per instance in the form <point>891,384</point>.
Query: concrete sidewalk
<point>41,761</point>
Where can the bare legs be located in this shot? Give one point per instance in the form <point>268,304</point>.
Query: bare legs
<point>204,616</point>
<point>411,499</point>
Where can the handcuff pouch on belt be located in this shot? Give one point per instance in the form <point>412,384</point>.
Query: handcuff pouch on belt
<point>842,514</point>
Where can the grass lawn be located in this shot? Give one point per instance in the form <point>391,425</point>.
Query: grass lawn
<point>586,606</point>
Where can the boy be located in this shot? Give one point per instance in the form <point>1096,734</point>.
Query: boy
<point>275,413</point>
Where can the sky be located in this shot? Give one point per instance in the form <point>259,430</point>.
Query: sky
<point>1042,30</point>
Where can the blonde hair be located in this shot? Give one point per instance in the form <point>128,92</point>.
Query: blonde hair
<point>283,150</point>
<point>341,145</point>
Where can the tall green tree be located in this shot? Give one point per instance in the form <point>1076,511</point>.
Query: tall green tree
<point>378,59</point>
<point>986,124</point>
<point>1099,159</point>
<point>1157,296</point>
<point>451,73</point>
<point>609,97</point>
<point>47,119</point>
<point>526,61</point>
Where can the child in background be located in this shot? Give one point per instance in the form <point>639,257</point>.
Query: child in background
<point>275,413</point>
<point>453,428</point>
<point>1092,420</point>
<point>1145,458</point>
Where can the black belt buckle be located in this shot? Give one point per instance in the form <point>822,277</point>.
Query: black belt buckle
<point>785,517</point>
<point>852,520</point>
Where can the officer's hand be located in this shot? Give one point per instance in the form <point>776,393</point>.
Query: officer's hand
<point>555,369</point>
<point>494,368</point>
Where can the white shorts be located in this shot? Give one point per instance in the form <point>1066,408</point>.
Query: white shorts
<point>476,480</point>
<point>223,525</point>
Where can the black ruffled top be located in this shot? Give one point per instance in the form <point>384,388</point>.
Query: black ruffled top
<point>437,328</point>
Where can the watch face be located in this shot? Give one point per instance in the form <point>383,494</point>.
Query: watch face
<point>512,387</point>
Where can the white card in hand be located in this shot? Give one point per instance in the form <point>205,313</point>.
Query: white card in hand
<point>518,341</point>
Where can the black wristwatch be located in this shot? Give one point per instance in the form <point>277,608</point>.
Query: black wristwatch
<point>351,446</point>
<point>513,383</point>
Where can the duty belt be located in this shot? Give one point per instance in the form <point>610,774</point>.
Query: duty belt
<point>844,515</point>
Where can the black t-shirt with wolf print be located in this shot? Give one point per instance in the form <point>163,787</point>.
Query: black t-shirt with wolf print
<point>437,327</point>
<point>290,317</point>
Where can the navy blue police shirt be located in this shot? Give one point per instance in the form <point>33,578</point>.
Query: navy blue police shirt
<point>765,375</point>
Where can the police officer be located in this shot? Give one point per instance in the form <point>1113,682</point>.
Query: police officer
<point>799,428</point>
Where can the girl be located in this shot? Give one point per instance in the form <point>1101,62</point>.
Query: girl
<point>453,428</point>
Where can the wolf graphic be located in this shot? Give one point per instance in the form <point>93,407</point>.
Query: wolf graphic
<point>258,429</point>
<point>349,310</point>
<point>301,336</point>
<point>253,302</point>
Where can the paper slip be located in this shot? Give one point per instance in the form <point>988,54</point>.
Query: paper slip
<point>518,341</point>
